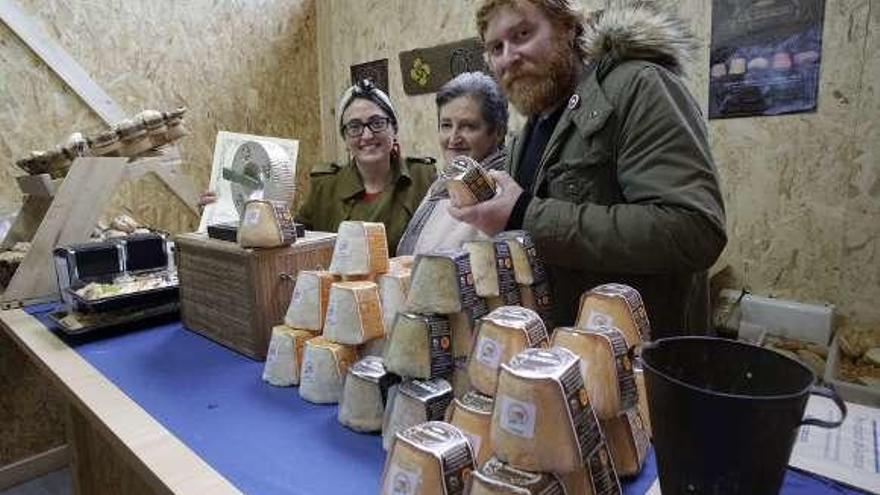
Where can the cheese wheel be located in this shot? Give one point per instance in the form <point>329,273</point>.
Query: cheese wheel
<point>393,287</point>
<point>472,414</point>
<point>323,371</point>
<point>644,413</point>
<point>608,370</point>
<point>420,346</point>
<point>428,459</point>
<point>364,395</point>
<point>413,402</point>
<point>354,314</point>
<point>542,419</point>
<point>627,441</point>
<point>285,355</point>
<point>615,305</point>
<point>308,303</point>
<point>442,283</point>
<point>502,334</point>
<point>596,477</point>
<point>361,249</point>
<point>527,266</point>
<point>497,478</point>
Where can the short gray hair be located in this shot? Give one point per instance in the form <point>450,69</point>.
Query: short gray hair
<point>484,89</point>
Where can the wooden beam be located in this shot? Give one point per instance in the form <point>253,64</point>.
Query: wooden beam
<point>33,467</point>
<point>60,62</point>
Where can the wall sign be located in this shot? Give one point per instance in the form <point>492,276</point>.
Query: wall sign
<point>376,71</point>
<point>425,70</point>
<point>765,57</point>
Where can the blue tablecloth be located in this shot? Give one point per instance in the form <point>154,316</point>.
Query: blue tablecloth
<point>265,440</point>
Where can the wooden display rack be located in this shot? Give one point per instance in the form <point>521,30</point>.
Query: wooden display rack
<point>57,214</point>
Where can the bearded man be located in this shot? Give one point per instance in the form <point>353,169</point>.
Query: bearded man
<point>612,175</point>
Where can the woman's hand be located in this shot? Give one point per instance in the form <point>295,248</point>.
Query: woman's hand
<point>490,217</point>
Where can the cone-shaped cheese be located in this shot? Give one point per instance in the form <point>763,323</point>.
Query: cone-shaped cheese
<point>354,314</point>
<point>627,441</point>
<point>468,182</point>
<point>472,414</point>
<point>414,402</point>
<point>615,305</point>
<point>364,394</point>
<point>428,459</point>
<point>529,268</point>
<point>375,347</point>
<point>324,367</point>
<point>285,355</point>
<point>420,346</point>
<point>482,256</point>
<point>393,287</point>
<point>542,419</point>
<point>596,477</point>
<point>537,298</point>
<point>502,334</point>
<point>498,478</point>
<point>462,328</point>
<point>644,413</point>
<point>442,283</point>
<point>361,249</point>
<point>308,303</point>
<point>266,224</point>
<point>608,369</point>
<point>401,262</point>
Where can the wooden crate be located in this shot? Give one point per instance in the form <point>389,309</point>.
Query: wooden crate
<point>235,296</point>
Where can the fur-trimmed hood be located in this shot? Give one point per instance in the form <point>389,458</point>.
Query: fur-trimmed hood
<point>639,31</point>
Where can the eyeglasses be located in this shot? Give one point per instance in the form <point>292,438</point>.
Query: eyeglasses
<point>355,128</point>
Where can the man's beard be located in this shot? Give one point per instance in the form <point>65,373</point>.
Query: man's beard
<point>542,87</point>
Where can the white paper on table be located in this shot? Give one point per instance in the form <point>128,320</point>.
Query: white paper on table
<point>225,146</point>
<point>848,454</point>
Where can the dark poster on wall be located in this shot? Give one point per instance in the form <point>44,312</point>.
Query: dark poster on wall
<point>376,71</point>
<point>765,57</point>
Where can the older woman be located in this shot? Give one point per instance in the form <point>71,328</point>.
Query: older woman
<point>377,185</point>
<point>472,120</point>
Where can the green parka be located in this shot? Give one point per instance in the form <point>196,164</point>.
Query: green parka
<point>627,190</point>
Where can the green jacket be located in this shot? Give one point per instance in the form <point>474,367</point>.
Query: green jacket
<point>627,191</point>
<point>335,194</point>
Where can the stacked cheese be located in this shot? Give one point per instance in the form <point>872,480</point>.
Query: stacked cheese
<point>543,422</point>
<point>304,320</point>
<point>433,338</point>
<point>365,394</point>
<point>428,459</point>
<point>530,274</point>
<point>611,320</point>
<point>414,402</point>
<point>494,277</point>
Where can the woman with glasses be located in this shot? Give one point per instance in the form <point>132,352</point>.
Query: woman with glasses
<point>472,121</point>
<point>378,184</point>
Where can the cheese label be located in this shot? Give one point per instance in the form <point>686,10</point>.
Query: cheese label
<point>626,380</point>
<point>584,421</point>
<point>507,287</point>
<point>633,301</point>
<point>523,318</point>
<point>513,480</point>
<point>284,220</point>
<point>488,352</point>
<point>543,302</point>
<point>597,320</point>
<point>602,474</point>
<point>435,394</point>
<point>372,369</point>
<point>449,446</point>
<point>252,216</point>
<point>517,417</point>
<point>475,440</point>
<point>523,238</point>
<point>402,481</point>
<point>440,343</point>
<point>308,370</point>
<point>470,302</point>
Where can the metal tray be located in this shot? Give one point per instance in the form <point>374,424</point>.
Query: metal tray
<point>152,297</point>
<point>115,319</point>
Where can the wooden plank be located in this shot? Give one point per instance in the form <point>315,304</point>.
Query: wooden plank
<point>28,220</point>
<point>33,467</point>
<point>60,62</point>
<point>89,185</point>
<point>165,463</point>
<point>167,167</point>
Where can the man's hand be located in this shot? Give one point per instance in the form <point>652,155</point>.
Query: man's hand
<point>490,217</point>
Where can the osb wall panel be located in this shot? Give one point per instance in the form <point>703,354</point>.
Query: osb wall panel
<point>802,191</point>
<point>238,66</point>
<point>31,411</point>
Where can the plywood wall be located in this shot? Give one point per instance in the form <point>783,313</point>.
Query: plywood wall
<point>242,66</point>
<point>802,192</point>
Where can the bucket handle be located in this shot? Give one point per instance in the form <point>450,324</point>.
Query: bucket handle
<point>829,393</point>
